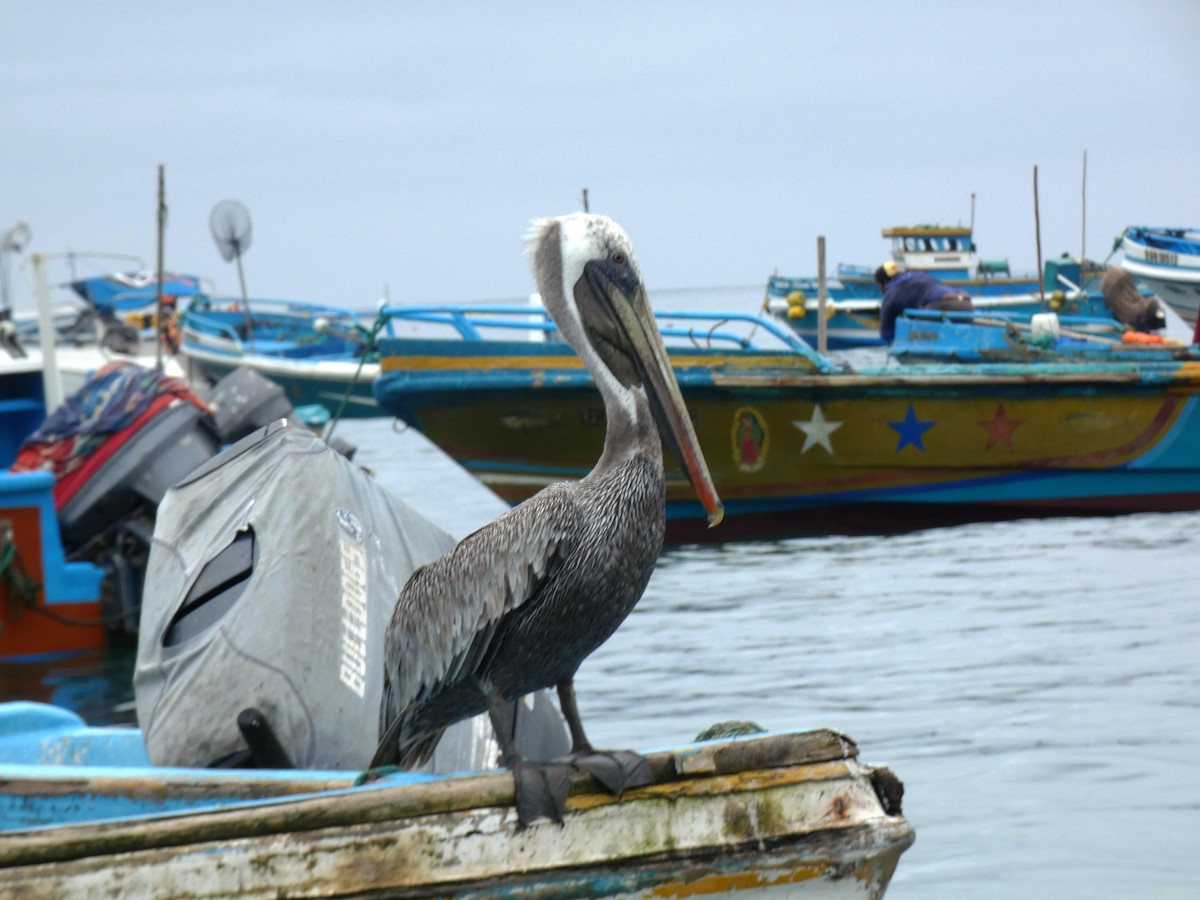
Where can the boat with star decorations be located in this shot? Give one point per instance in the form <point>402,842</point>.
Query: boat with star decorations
<point>799,444</point>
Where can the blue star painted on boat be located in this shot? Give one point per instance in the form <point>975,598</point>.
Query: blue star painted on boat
<point>911,430</point>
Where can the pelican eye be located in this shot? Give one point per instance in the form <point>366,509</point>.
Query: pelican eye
<point>618,258</point>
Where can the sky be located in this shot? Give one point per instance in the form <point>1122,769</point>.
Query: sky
<point>401,149</point>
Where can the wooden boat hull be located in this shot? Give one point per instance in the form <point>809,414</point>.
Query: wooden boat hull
<point>781,815</point>
<point>879,450</point>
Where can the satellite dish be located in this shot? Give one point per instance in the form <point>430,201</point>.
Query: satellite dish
<point>230,225</point>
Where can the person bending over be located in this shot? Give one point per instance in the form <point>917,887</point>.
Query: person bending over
<point>913,290</point>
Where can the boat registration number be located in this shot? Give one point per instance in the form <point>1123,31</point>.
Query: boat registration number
<point>1162,256</point>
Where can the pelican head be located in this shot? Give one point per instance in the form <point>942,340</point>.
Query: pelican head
<point>591,286</point>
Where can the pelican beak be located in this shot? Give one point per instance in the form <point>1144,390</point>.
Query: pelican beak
<point>627,308</point>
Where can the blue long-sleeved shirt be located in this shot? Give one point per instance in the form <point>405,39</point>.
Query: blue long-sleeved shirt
<point>908,290</point>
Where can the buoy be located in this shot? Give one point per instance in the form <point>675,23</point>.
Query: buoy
<point>796,305</point>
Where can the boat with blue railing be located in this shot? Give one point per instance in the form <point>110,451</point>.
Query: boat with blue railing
<point>1166,260</point>
<point>319,354</point>
<point>798,443</point>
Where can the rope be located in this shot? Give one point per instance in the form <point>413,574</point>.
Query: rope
<point>23,590</point>
<point>369,347</point>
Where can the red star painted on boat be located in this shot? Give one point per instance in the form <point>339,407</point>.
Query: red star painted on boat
<point>1000,428</point>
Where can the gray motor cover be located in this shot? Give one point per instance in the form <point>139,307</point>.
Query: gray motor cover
<point>303,640</point>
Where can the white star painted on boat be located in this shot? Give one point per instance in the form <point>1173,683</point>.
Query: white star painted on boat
<point>817,430</point>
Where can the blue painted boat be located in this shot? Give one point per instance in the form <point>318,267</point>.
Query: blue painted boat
<point>947,253</point>
<point>803,445</point>
<point>788,814</point>
<point>115,310</point>
<point>125,292</point>
<point>319,354</point>
<point>1167,260</point>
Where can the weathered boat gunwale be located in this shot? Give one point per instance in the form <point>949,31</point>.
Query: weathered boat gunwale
<point>762,811</point>
<point>365,861</point>
<point>384,802</point>
<point>998,374</point>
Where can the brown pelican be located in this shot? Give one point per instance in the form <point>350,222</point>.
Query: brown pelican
<point>518,605</point>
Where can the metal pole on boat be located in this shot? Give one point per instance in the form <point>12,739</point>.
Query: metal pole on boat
<point>585,201</point>
<point>1037,230</point>
<point>822,298</point>
<point>51,386</point>
<point>158,295</point>
<point>1083,223</point>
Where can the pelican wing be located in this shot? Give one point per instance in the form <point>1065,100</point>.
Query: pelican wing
<point>450,610</point>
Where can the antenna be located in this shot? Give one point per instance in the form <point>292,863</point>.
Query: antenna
<point>229,223</point>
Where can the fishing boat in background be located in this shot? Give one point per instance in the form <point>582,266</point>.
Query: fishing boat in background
<point>98,319</point>
<point>1166,260</point>
<point>948,254</point>
<point>319,354</point>
<point>783,814</point>
<point>798,444</point>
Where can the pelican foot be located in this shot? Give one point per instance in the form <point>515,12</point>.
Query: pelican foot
<point>617,770</point>
<point>542,789</point>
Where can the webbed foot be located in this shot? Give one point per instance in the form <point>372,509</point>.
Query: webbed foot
<point>617,770</point>
<point>542,789</point>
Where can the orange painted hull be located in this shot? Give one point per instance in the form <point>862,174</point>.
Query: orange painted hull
<point>43,629</point>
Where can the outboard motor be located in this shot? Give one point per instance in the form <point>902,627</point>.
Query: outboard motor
<point>273,574</point>
<point>1130,306</point>
<point>245,401</point>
